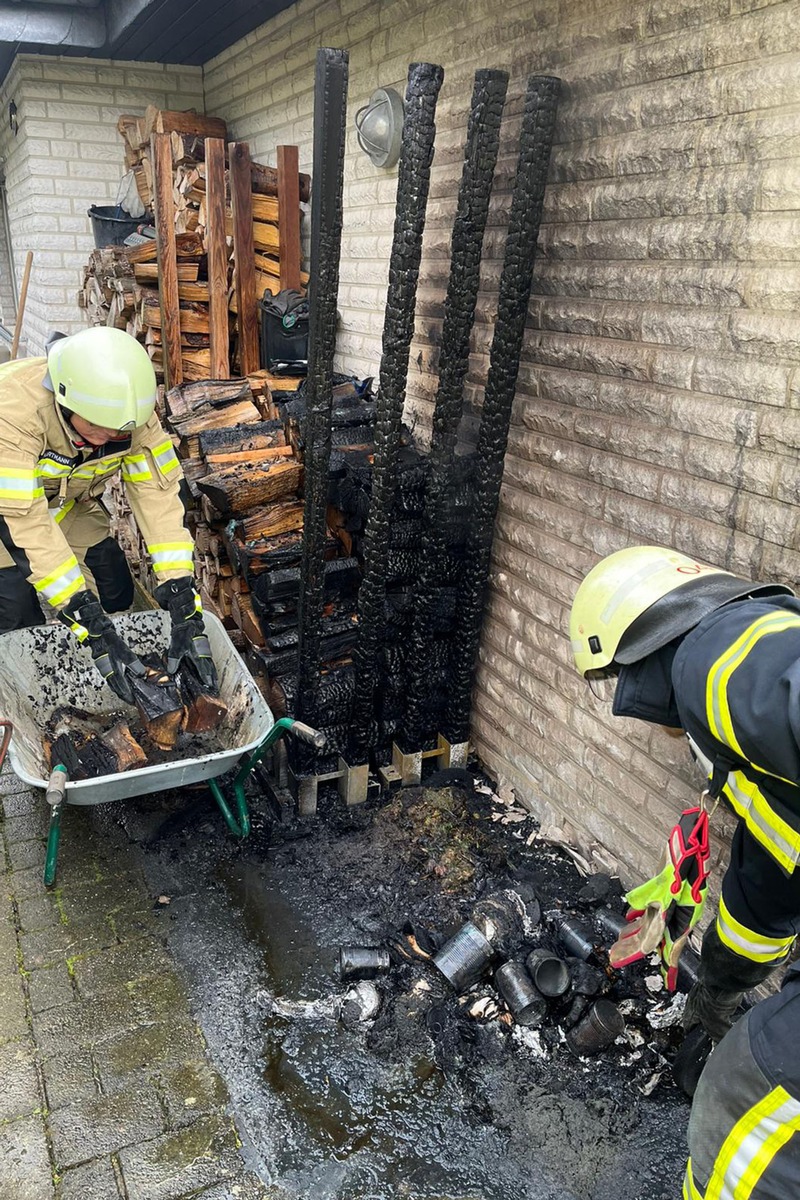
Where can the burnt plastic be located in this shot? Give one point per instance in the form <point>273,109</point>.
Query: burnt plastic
<point>601,1026</point>
<point>549,973</point>
<point>526,1003</point>
<point>363,962</point>
<point>576,937</point>
<point>465,958</point>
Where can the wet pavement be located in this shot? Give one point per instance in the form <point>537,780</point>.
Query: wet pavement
<point>172,1023</point>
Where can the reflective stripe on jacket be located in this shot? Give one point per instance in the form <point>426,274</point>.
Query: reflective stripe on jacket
<point>745,1124</point>
<point>43,473</point>
<point>737,687</point>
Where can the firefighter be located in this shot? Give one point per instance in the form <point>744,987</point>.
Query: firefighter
<point>743,1130</point>
<point>697,648</point>
<point>68,424</point>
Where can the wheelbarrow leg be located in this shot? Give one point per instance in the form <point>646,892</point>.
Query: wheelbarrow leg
<point>56,790</point>
<point>239,822</point>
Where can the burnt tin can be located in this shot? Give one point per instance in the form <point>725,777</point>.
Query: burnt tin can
<point>363,962</point>
<point>465,958</point>
<point>525,1002</point>
<point>549,973</point>
<point>601,1026</point>
<point>576,937</point>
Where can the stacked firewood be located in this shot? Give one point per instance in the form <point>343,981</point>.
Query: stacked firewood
<point>121,284</point>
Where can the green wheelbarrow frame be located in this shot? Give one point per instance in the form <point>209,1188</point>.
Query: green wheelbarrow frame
<point>237,817</point>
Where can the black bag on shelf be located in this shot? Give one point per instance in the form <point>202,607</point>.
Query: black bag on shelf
<point>284,333</point>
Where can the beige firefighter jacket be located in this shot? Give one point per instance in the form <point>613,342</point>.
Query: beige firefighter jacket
<point>43,474</point>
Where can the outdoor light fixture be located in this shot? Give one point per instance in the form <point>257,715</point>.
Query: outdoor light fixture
<point>12,117</point>
<point>380,127</point>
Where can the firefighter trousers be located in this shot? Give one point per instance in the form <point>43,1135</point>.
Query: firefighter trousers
<point>743,1127</point>
<point>85,526</point>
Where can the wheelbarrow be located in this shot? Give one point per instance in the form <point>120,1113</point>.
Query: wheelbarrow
<point>44,669</point>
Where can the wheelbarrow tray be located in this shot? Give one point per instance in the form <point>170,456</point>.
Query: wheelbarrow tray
<point>44,669</point>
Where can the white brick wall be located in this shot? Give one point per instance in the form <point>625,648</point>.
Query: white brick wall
<point>67,156</point>
<point>660,381</point>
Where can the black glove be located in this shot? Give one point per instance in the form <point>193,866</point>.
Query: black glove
<point>189,639</point>
<point>113,659</point>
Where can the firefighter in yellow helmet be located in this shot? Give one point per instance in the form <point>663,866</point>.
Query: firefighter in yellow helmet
<point>700,649</point>
<point>68,424</point>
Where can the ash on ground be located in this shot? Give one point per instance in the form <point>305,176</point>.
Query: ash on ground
<point>397,1086</point>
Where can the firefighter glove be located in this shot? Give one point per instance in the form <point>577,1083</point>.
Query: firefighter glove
<point>189,639</point>
<point>665,909</point>
<point>114,660</point>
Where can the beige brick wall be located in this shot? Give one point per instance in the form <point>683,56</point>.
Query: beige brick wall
<point>66,156</point>
<point>659,394</point>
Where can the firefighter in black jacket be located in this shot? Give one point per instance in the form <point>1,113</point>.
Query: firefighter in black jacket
<point>697,648</point>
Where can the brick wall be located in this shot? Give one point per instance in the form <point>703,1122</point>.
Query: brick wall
<point>68,155</point>
<point>659,393</point>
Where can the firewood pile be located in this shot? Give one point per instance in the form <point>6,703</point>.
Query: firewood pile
<point>123,287</point>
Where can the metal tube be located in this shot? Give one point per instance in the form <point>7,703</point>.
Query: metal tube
<point>480,158</point>
<point>424,82</point>
<point>330,114</point>
<point>536,138</point>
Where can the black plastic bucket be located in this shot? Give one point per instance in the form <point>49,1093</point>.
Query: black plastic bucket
<point>109,227</point>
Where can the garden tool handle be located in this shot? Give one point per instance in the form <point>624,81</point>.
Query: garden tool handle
<point>313,736</point>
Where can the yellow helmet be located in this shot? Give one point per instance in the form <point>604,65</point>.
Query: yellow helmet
<point>105,376</point>
<point>637,600</point>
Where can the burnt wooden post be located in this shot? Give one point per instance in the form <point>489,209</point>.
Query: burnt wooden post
<point>480,158</point>
<point>330,117</point>
<point>536,138</point>
<point>424,82</point>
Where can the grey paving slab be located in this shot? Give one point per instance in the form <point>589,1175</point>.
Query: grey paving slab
<point>93,1181</point>
<point>150,1047</point>
<point>83,1131</point>
<point>181,1164</point>
<point>121,965</point>
<point>25,1171</point>
<point>50,987</point>
<point>19,1092</point>
<point>59,943</point>
<point>69,1077</point>
<point>190,1090</point>
<point>87,1024</point>
<point>13,1014</point>
<point>31,824</point>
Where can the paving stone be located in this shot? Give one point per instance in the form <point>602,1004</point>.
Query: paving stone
<point>158,999</point>
<point>191,1090</point>
<point>18,796</point>
<point>68,1078</point>
<point>25,1172</point>
<point>39,912</point>
<point>9,949</point>
<point>26,883</point>
<point>121,965</point>
<point>24,855</point>
<point>249,1187</point>
<point>49,987</point>
<point>86,1024</point>
<point>149,1047</point>
<point>48,946</point>
<point>13,1013</point>
<point>93,897</point>
<point>131,925</point>
<point>86,1130</point>
<point>19,1094</point>
<point>31,824</point>
<point>92,1181</point>
<point>180,1164</point>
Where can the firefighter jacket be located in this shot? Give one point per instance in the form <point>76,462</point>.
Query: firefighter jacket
<point>736,678</point>
<point>44,472</point>
<point>744,1132</point>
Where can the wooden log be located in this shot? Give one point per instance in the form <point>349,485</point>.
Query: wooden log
<point>185,317</point>
<point>239,158</point>
<point>246,619</point>
<point>204,711</point>
<point>148,272</point>
<point>188,399</point>
<point>250,456</point>
<point>244,437</point>
<point>168,121</point>
<point>84,757</point>
<point>270,522</point>
<point>217,259</point>
<point>160,707</point>
<point>121,742</point>
<point>289,228</point>
<point>265,179</point>
<point>234,492</point>
<point>167,260</point>
<point>187,245</point>
<point>245,413</point>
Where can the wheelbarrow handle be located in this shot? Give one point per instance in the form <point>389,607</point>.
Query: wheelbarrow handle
<point>313,736</point>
